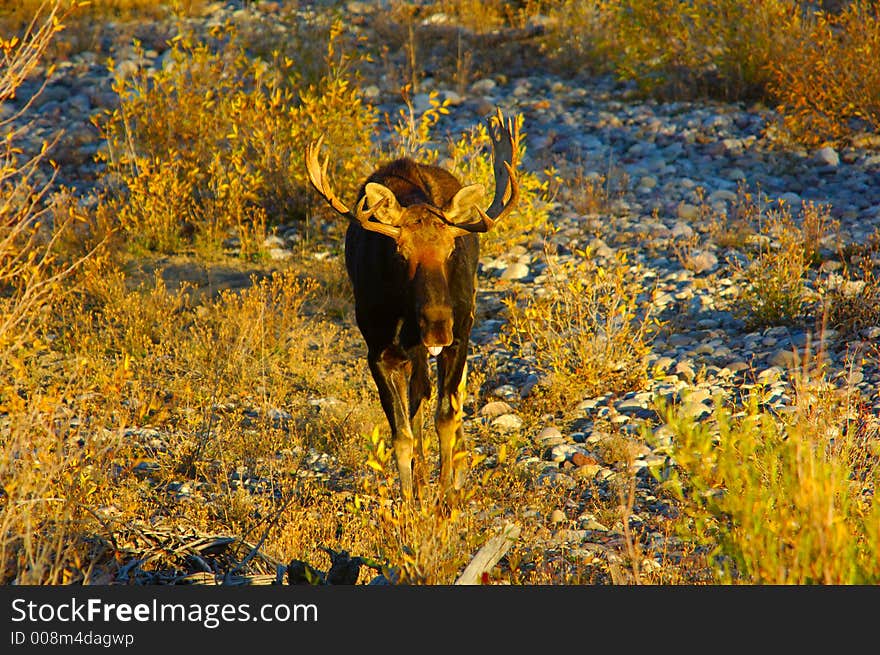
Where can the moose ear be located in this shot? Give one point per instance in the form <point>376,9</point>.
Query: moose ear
<point>388,210</point>
<point>462,204</point>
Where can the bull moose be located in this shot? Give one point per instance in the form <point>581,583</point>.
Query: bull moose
<point>411,251</point>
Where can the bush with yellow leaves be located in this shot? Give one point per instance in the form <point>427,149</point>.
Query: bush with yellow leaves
<point>212,145</point>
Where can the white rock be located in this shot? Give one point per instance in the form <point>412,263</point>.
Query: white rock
<point>827,156</point>
<point>549,434</point>
<point>722,195</point>
<point>372,92</point>
<point>681,230</point>
<point>790,198</point>
<point>507,422</point>
<point>279,254</point>
<point>600,249</point>
<point>451,97</point>
<point>483,87</point>
<point>515,271</point>
<point>495,408</point>
<point>688,212</point>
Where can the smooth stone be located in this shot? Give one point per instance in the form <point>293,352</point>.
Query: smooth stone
<point>516,271</point>
<point>549,436</point>
<point>688,212</point>
<point>827,156</point>
<point>495,408</point>
<point>507,422</point>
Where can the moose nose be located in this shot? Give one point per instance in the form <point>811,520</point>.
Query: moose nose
<point>435,324</point>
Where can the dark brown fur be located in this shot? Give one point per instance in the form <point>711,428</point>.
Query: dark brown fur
<point>410,294</point>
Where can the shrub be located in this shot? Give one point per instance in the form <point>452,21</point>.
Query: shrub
<point>775,271</point>
<point>677,48</point>
<point>586,331</point>
<point>86,21</point>
<point>828,84</point>
<point>851,298</point>
<point>583,35</point>
<point>214,141</point>
<point>817,67</point>
<point>470,159</point>
<point>411,133</point>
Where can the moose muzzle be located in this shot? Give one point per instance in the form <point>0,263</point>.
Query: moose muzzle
<point>435,326</point>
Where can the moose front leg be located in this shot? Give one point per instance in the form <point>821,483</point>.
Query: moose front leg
<point>392,371</point>
<point>452,382</point>
<point>419,394</point>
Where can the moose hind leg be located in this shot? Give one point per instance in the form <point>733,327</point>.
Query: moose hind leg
<point>391,371</point>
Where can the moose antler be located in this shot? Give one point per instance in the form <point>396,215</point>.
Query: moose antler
<point>505,149</point>
<point>319,179</point>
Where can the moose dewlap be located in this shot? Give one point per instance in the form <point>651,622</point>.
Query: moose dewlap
<point>411,252</point>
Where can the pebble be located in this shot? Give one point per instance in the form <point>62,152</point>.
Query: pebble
<point>495,409</point>
<point>516,271</point>
<point>589,522</point>
<point>483,87</point>
<point>507,422</point>
<point>785,358</point>
<point>279,254</point>
<point>550,436</point>
<point>688,212</point>
<point>828,156</point>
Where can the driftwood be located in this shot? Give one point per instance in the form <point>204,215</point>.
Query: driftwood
<point>209,579</point>
<point>489,555</point>
<point>172,555</point>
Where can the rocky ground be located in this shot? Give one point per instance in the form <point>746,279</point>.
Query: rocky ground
<point>668,162</point>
